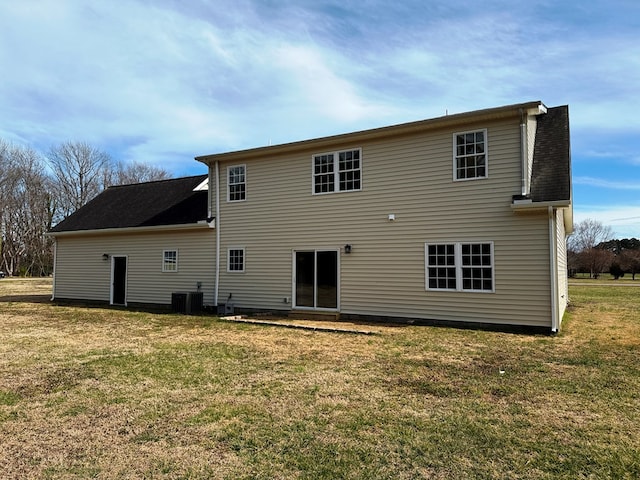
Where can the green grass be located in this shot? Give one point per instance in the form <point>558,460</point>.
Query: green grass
<point>99,393</point>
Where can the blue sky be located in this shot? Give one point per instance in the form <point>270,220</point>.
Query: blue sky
<point>166,80</point>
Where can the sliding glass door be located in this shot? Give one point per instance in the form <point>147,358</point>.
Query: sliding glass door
<point>316,279</point>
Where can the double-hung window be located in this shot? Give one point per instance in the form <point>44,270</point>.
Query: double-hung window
<point>170,261</point>
<point>337,171</point>
<point>235,260</point>
<point>237,183</point>
<point>441,267</point>
<point>470,155</point>
<point>459,266</point>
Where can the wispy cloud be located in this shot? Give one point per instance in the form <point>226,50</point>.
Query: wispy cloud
<point>599,182</point>
<point>623,219</point>
<point>167,80</point>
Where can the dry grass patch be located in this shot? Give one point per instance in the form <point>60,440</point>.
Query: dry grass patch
<point>102,393</point>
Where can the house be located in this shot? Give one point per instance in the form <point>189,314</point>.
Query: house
<point>136,244</point>
<point>460,219</point>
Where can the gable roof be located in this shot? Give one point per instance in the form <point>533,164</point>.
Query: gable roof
<point>551,171</point>
<point>164,202</point>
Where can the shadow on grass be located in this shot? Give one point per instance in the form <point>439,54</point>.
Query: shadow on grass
<point>26,298</point>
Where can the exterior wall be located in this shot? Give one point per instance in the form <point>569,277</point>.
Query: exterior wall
<point>82,274</point>
<point>411,177</point>
<point>561,256</point>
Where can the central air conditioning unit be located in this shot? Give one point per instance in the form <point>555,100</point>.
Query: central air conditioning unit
<point>187,302</point>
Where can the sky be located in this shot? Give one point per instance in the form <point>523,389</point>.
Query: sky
<point>163,81</point>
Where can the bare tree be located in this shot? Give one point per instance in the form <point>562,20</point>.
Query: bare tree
<point>6,170</point>
<point>31,200</point>
<point>26,212</point>
<point>588,234</point>
<point>630,261</point>
<point>137,172</point>
<point>597,260</point>
<point>6,173</point>
<point>79,174</point>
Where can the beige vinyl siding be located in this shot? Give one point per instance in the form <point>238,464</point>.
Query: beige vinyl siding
<point>561,258</point>
<point>411,177</point>
<point>82,274</point>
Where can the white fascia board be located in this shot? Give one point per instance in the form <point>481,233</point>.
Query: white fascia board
<point>530,205</point>
<point>540,109</point>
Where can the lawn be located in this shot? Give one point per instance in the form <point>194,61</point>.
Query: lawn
<point>100,393</point>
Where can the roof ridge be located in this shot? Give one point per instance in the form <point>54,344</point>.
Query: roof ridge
<point>158,181</point>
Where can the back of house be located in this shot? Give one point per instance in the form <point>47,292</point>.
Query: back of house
<point>459,219</point>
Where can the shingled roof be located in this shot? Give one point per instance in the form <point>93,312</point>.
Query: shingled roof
<point>164,202</point>
<point>551,173</point>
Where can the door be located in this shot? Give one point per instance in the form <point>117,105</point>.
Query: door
<point>316,279</point>
<point>119,281</point>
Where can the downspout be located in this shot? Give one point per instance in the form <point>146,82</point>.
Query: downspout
<point>553,267</point>
<point>210,174</point>
<point>523,153</point>
<point>216,289</point>
<point>55,260</point>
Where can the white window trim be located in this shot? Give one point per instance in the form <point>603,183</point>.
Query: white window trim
<point>164,263</point>
<point>459,267</point>
<point>244,166</point>
<point>336,171</point>
<point>244,260</point>
<point>486,156</point>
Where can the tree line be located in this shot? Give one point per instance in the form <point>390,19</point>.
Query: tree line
<point>39,190</point>
<point>593,250</point>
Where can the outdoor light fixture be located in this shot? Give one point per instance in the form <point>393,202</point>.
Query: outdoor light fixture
<point>105,256</point>
<point>347,248</point>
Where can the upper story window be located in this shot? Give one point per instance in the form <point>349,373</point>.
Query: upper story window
<point>470,155</point>
<point>337,171</point>
<point>237,183</point>
<point>170,261</point>
<point>460,267</point>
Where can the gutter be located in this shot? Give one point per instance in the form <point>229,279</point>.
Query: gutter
<point>531,205</point>
<point>115,231</point>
